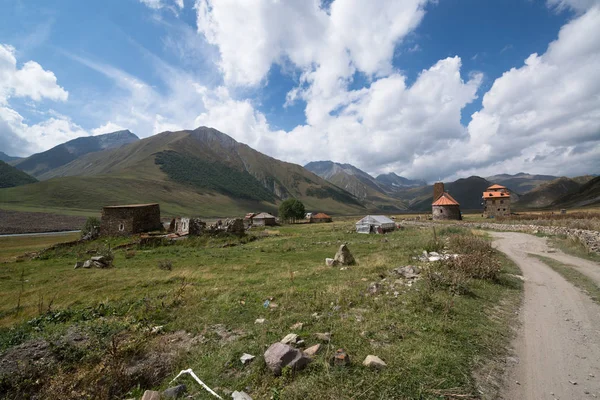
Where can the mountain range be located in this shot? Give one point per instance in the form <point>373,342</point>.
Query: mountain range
<point>207,173</point>
<point>6,158</point>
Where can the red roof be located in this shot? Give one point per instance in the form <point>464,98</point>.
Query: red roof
<point>321,216</point>
<point>496,186</point>
<point>496,195</point>
<point>445,200</point>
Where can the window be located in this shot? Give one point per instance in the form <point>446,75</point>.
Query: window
<point>504,209</point>
<point>121,227</point>
<point>498,209</point>
<point>501,201</point>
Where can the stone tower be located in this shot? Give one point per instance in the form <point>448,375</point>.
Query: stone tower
<point>438,190</point>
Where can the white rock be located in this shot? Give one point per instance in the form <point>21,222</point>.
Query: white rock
<point>247,358</point>
<point>290,338</point>
<point>374,362</point>
<point>260,321</point>
<point>240,396</point>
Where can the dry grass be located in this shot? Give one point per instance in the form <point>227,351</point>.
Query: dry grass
<point>589,220</point>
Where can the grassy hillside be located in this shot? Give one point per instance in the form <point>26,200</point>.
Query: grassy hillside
<point>11,177</point>
<point>546,194</point>
<point>522,182</point>
<point>587,195</point>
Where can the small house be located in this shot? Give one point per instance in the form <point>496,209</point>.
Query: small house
<point>264,219</point>
<point>130,219</point>
<point>320,217</point>
<point>375,224</point>
<point>444,206</point>
<point>496,202</point>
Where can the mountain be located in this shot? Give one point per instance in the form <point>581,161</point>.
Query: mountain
<point>6,158</point>
<point>42,164</point>
<point>588,194</point>
<point>201,172</point>
<point>357,182</point>
<point>547,193</point>
<point>392,182</point>
<point>521,182</point>
<point>467,192</point>
<point>11,177</point>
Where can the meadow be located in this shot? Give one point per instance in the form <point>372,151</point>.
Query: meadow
<point>443,337</point>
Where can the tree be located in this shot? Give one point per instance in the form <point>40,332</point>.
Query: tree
<point>291,210</point>
<point>91,229</point>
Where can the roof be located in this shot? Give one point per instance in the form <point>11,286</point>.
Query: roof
<point>496,186</point>
<point>321,216</point>
<point>495,195</point>
<point>445,200</point>
<point>250,215</point>
<point>376,219</point>
<point>263,215</point>
<point>133,205</point>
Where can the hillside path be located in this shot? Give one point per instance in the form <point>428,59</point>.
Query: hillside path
<point>558,341</point>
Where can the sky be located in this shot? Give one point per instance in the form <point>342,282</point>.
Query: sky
<point>436,89</point>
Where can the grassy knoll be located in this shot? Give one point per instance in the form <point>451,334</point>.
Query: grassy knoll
<point>571,274</point>
<point>573,247</point>
<point>13,246</point>
<point>432,335</point>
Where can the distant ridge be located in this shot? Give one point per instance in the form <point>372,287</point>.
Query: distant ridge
<point>42,164</point>
<point>11,177</point>
<point>6,158</point>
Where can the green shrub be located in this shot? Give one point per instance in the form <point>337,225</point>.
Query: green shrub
<point>91,227</point>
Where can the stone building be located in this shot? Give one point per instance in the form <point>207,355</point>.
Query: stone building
<point>264,219</point>
<point>130,219</point>
<point>444,206</point>
<point>320,217</point>
<point>496,201</point>
<point>180,225</point>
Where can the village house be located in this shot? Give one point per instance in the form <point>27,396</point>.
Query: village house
<point>320,217</point>
<point>496,201</point>
<point>375,224</point>
<point>444,206</point>
<point>128,220</point>
<point>264,219</point>
<point>180,226</point>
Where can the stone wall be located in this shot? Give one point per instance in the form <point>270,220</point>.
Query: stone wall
<point>590,239</point>
<point>130,220</point>
<point>498,209</point>
<point>445,212</point>
<point>438,190</point>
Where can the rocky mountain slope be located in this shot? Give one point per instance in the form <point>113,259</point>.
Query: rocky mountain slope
<point>6,158</point>
<point>588,194</point>
<point>11,177</point>
<point>522,182</point>
<point>201,172</point>
<point>547,193</point>
<point>392,182</point>
<point>41,165</point>
<point>359,183</point>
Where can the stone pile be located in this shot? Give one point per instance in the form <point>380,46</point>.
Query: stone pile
<point>590,239</point>
<point>95,262</point>
<point>342,257</point>
<point>434,256</point>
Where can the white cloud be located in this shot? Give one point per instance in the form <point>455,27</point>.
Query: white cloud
<point>158,4</point>
<point>108,127</point>
<point>577,5</point>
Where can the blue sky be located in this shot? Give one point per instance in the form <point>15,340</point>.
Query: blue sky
<point>390,87</point>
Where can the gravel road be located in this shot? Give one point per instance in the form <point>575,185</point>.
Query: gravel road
<point>558,343</point>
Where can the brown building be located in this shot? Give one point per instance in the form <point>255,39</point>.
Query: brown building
<point>496,202</point>
<point>444,206</point>
<point>264,219</point>
<point>130,219</point>
<point>320,217</point>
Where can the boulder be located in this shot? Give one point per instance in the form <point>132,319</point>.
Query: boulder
<point>297,326</point>
<point>279,356</point>
<point>196,227</point>
<point>330,262</point>
<point>259,321</point>
<point>340,358</point>
<point>151,395</point>
<point>240,396</point>
<point>87,264</point>
<point>174,392</point>
<point>100,259</point>
<point>374,362</point>
<point>78,264</point>
<point>344,257</point>
<point>312,350</point>
<point>374,288</point>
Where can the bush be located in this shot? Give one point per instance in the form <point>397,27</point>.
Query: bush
<point>443,278</point>
<point>129,254</point>
<point>291,210</point>
<point>165,265</point>
<point>469,244</point>
<point>91,228</point>
<point>476,265</point>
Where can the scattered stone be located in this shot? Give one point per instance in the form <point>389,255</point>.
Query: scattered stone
<point>156,329</point>
<point>174,392</point>
<point>279,356</point>
<point>324,337</point>
<point>240,396</point>
<point>247,358</point>
<point>343,268</point>
<point>374,362</point>
<point>151,395</point>
<point>78,264</point>
<point>330,262</point>
<point>259,321</point>
<point>341,358</point>
<point>316,315</point>
<point>312,350</point>
<point>100,259</point>
<point>408,272</point>
<point>434,258</point>
<point>364,279</point>
<point>273,305</point>
<point>374,288</point>
<point>573,382</point>
<point>297,326</point>
<point>291,338</point>
<point>87,264</point>
<point>344,257</point>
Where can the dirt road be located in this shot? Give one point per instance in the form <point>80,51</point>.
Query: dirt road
<point>558,344</point>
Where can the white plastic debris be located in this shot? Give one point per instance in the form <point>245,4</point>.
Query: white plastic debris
<point>193,375</point>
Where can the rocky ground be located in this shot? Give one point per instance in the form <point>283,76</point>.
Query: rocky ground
<point>15,222</point>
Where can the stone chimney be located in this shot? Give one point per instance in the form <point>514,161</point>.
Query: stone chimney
<point>438,190</point>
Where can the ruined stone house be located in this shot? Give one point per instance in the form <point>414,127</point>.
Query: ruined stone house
<point>496,201</point>
<point>444,206</point>
<point>131,219</point>
<point>180,225</point>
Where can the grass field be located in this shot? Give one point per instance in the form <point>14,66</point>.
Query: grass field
<point>13,246</point>
<point>436,336</point>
